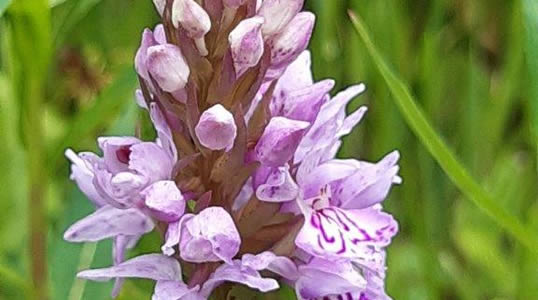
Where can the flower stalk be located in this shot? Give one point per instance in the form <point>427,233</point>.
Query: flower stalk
<point>242,177</point>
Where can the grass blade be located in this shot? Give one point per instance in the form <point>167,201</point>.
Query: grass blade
<point>438,149</point>
<point>530,9</point>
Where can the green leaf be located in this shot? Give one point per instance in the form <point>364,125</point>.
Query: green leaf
<point>3,5</point>
<point>439,150</point>
<point>68,14</point>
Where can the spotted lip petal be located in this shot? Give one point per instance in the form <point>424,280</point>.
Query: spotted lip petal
<point>334,233</point>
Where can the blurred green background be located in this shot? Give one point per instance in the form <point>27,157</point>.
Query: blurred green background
<point>66,77</point>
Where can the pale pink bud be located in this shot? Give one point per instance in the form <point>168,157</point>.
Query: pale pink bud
<point>216,129</point>
<point>246,42</point>
<point>278,13</point>
<point>168,67</point>
<point>293,40</point>
<point>160,5</point>
<point>192,17</point>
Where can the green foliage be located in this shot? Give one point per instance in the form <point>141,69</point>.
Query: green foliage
<point>470,69</point>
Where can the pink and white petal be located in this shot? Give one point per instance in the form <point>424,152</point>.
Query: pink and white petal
<point>173,235</point>
<point>278,13</point>
<point>212,236</point>
<point>150,266</point>
<point>338,277</point>
<point>165,201</point>
<point>216,128</point>
<point>109,222</point>
<point>174,290</point>
<point>121,244</point>
<point>298,75</point>
<point>238,274</point>
<point>369,185</point>
<point>116,152</point>
<point>334,233</point>
<point>279,186</point>
<point>151,161</point>
<point>82,173</point>
<point>314,180</point>
<point>244,195</point>
<point>163,131</point>
<point>267,260</point>
<point>329,121</point>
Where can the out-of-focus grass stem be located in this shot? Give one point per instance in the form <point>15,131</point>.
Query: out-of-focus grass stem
<point>30,25</point>
<point>439,150</point>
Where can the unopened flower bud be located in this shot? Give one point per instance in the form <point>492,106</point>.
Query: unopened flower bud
<point>216,129</point>
<point>279,141</point>
<point>278,13</point>
<point>168,67</point>
<point>194,19</point>
<point>246,42</point>
<point>141,55</point>
<point>293,40</point>
<point>160,5</point>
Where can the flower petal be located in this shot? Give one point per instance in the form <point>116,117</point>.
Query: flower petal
<point>109,222</point>
<point>116,152</point>
<point>246,43</point>
<point>267,260</point>
<point>164,200</point>
<point>328,122</point>
<point>209,236</point>
<point>216,129</point>
<point>142,53</point>
<point>239,274</point>
<point>334,233</point>
<point>82,174</point>
<point>279,186</point>
<point>173,234</point>
<point>293,40</point>
<point>149,266</point>
<point>192,17</point>
<point>164,132</point>
<point>279,141</point>
<point>168,67</point>
<point>121,244</point>
<point>151,161</point>
<point>369,185</point>
<point>174,290</point>
<point>278,13</point>
<point>338,277</point>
